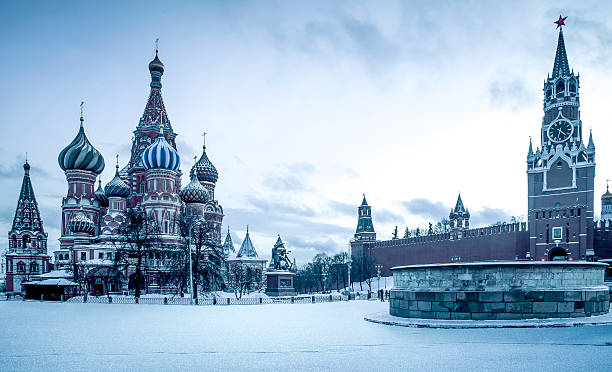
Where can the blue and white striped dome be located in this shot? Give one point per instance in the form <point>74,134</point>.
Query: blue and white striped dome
<point>161,155</point>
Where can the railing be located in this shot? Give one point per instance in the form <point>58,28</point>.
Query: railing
<point>223,301</point>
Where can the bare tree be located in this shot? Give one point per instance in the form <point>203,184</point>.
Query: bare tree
<point>207,257</point>
<point>243,278</point>
<point>135,238</point>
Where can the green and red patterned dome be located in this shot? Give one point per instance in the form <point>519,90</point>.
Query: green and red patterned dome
<point>194,192</point>
<point>81,155</point>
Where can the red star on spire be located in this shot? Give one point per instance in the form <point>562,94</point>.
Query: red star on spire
<point>561,21</point>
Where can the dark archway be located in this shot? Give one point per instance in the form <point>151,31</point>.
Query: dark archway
<point>557,254</point>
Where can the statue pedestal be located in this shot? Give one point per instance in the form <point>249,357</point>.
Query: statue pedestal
<point>279,283</point>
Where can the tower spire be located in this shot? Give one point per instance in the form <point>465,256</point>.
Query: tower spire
<point>561,65</point>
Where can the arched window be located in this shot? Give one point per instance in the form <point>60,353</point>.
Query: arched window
<point>25,240</point>
<point>572,86</point>
<point>560,88</point>
<point>33,267</point>
<point>21,267</point>
<point>13,241</point>
<point>549,92</point>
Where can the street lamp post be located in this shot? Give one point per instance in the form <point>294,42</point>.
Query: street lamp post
<point>378,269</point>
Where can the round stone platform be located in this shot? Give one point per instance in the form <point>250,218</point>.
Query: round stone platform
<point>385,318</point>
<point>514,290</point>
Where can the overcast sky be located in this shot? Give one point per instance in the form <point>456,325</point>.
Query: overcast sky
<point>306,105</point>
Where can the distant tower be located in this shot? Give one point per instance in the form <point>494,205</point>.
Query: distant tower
<point>365,227</point>
<point>195,197</point>
<point>561,175</point>
<point>459,217</point>
<point>27,252</point>
<point>606,204</point>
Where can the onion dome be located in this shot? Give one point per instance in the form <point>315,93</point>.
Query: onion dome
<point>116,187</point>
<point>161,155</point>
<point>81,155</point>
<point>204,169</point>
<point>80,223</point>
<point>606,198</point>
<point>156,65</point>
<point>194,192</point>
<point>101,196</point>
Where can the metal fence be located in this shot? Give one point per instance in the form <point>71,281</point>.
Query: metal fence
<point>224,301</point>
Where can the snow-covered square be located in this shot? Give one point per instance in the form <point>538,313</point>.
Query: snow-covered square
<point>304,337</point>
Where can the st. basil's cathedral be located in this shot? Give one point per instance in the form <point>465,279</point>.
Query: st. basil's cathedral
<point>150,181</point>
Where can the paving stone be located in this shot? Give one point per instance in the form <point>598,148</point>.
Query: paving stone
<point>445,296</point>
<point>491,297</point>
<point>424,296</point>
<point>572,295</point>
<point>514,296</point>
<point>534,296</point>
<point>519,307</point>
<point>467,296</point>
<point>461,316</point>
<point>589,296</point>
<point>442,315</point>
<point>494,307</point>
<point>483,316</point>
<point>565,307</point>
<point>424,305</point>
<point>553,296</point>
<point>509,316</point>
<point>544,307</point>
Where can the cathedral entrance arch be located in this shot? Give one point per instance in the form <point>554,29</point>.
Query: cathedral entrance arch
<point>557,254</point>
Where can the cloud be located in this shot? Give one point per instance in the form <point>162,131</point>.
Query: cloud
<point>342,209</point>
<point>486,216</point>
<point>290,177</point>
<point>512,94</point>
<point>386,215</point>
<point>426,208</point>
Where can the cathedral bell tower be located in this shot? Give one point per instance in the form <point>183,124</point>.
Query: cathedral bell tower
<point>560,175</point>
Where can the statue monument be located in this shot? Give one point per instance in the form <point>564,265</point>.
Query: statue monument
<point>279,275</point>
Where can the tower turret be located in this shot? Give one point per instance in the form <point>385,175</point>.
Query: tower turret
<point>606,204</point>
<point>459,217</point>
<point>365,227</point>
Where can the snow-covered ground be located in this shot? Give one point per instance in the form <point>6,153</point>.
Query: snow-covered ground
<point>43,336</point>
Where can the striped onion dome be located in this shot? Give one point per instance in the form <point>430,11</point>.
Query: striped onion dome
<point>80,223</point>
<point>194,192</point>
<point>204,168</point>
<point>81,155</point>
<point>101,196</point>
<point>116,187</point>
<point>161,155</point>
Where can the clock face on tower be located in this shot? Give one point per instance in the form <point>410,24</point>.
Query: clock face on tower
<point>560,130</point>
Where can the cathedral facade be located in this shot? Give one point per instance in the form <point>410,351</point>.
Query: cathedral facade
<point>560,183</point>
<point>151,183</point>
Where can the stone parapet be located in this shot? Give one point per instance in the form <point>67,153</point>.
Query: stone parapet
<point>500,291</point>
<point>502,305</point>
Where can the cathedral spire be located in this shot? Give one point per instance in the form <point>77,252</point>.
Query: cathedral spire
<point>155,110</point>
<point>591,145</point>
<point>561,66</point>
<point>27,216</point>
